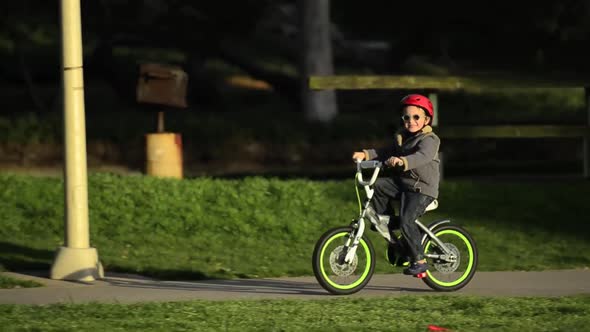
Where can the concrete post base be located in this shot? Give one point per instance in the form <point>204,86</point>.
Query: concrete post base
<point>78,264</point>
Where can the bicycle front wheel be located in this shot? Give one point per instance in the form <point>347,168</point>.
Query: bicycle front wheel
<point>451,274</point>
<point>332,272</point>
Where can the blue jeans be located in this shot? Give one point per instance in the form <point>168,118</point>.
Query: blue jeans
<point>413,204</point>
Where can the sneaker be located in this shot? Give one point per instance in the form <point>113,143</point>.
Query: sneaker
<point>416,268</point>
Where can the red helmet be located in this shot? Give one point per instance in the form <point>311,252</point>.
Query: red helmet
<point>420,101</point>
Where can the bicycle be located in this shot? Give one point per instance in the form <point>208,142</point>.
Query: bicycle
<point>344,257</point>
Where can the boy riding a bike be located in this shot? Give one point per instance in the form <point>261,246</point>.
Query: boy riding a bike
<point>414,157</point>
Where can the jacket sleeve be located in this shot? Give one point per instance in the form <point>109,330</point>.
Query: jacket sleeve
<point>427,150</point>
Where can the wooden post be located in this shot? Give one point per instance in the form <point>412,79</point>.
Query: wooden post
<point>160,122</point>
<point>586,145</point>
<point>434,99</point>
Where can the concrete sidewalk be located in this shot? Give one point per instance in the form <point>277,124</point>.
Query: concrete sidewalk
<point>119,288</point>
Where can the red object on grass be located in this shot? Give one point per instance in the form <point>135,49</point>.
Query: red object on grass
<point>436,328</point>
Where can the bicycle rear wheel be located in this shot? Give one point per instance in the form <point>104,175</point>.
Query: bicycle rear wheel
<point>445,275</point>
<point>329,268</point>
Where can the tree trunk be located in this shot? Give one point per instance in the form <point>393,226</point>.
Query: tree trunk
<point>316,59</point>
<point>28,78</point>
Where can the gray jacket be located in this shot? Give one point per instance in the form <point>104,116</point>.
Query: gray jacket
<point>421,171</point>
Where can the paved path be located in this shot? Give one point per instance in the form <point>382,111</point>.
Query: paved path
<point>131,289</point>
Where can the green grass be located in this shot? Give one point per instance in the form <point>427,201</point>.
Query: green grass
<point>415,313</point>
<point>8,282</point>
<point>259,227</point>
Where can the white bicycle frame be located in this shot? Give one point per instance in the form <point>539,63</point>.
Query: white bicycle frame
<point>352,243</point>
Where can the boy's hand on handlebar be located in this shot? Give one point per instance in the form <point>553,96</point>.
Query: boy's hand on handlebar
<point>359,156</point>
<point>394,161</point>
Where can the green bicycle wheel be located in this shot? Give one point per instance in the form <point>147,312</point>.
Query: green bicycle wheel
<point>451,275</point>
<point>329,268</point>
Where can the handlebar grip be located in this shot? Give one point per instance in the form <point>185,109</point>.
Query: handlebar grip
<point>371,164</point>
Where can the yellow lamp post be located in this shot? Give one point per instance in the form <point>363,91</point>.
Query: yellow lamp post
<point>76,260</point>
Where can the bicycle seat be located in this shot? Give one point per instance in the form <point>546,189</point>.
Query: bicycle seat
<point>432,206</point>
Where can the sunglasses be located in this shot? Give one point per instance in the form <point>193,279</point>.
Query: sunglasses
<point>407,118</point>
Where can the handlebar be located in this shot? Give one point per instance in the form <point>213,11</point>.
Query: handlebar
<point>360,165</point>
<point>368,164</point>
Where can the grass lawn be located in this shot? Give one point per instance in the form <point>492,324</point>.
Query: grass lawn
<point>259,227</point>
<point>8,282</point>
<point>410,313</point>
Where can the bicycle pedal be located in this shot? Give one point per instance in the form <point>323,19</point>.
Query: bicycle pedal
<point>420,275</point>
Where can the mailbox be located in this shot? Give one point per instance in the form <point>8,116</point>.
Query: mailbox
<point>162,85</point>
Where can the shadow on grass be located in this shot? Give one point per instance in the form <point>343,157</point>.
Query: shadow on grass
<point>15,257</point>
<point>20,258</point>
<point>164,274</point>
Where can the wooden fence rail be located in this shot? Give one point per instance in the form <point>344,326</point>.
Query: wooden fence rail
<point>473,84</point>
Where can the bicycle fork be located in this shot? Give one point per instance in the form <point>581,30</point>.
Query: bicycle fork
<point>358,229</point>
